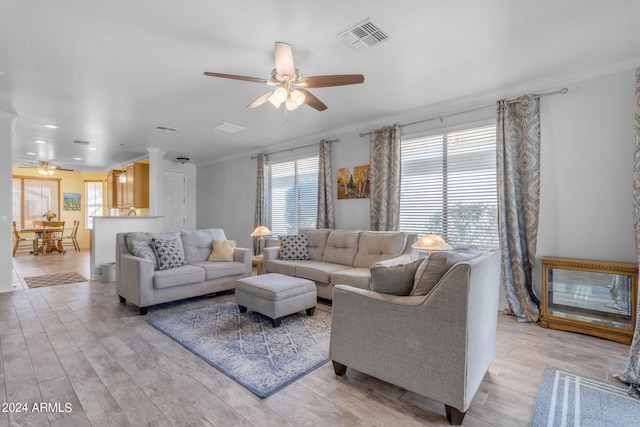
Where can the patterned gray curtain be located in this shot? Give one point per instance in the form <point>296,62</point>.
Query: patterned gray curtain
<point>259,216</point>
<point>631,373</point>
<point>518,163</point>
<point>385,178</point>
<point>325,187</point>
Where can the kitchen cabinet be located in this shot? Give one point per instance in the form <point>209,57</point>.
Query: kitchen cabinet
<point>134,193</point>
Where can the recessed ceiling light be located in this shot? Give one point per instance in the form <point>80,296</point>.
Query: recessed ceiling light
<point>93,149</point>
<point>77,158</point>
<point>31,153</point>
<point>51,126</point>
<point>40,142</point>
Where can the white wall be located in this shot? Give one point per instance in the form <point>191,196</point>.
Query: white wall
<point>7,122</point>
<point>586,173</point>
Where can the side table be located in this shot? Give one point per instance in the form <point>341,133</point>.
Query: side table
<point>257,261</point>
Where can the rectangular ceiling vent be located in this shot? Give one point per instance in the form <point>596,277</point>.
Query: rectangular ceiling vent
<point>77,141</point>
<point>363,35</point>
<point>166,129</point>
<point>228,128</point>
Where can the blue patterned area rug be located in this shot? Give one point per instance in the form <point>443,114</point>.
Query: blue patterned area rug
<point>567,399</point>
<point>246,348</point>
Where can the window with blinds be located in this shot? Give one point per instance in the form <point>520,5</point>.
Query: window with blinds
<point>32,197</point>
<point>448,186</point>
<point>93,201</point>
<point>292,195</point>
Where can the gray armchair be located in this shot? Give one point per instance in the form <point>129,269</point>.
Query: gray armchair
<point>438,345</point>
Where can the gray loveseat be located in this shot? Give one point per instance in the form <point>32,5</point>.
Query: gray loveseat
<point>141,282</point>
<point>342,257</point>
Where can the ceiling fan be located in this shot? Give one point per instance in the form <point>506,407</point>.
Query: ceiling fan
<point>291,84</point>
<point>46,168</point>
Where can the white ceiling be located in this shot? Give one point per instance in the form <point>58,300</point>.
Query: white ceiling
<point>110,72</point>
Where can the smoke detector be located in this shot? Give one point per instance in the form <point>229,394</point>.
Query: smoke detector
<point>182,160</point>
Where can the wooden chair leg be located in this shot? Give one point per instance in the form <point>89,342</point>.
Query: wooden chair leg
<point>454,416</point>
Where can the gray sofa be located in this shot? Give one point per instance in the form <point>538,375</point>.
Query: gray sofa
<point>438,345</point>
<point>140,282</point>
<point>342,257</point>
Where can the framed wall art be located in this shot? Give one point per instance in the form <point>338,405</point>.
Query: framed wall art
<point>71,202</point>
<point>353,183</point>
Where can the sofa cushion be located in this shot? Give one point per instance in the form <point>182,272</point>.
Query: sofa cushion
<point>185,275</point>
<point>169,253</point>
<point>396,280</point>
<point>317,243</point>
<point>378,246</point>
<point>356,277</point>
<point>218,269</point>
<point>436,265</point>
<point>222,250</point>
<point>317,271</point>
<point>341,248</point>
<point>294,247</point>
<point>145,251</point>
<point>137,236</point>
<point>197,243</point>
<point>287,268</point>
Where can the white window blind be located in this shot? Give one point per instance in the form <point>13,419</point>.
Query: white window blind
<point>448,186</point>
<point>292,194</point>
<point>93,198</point>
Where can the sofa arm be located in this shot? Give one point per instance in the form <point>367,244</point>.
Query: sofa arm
<point>269,254</point>
<point>243,255</point>
<point>135,280</point>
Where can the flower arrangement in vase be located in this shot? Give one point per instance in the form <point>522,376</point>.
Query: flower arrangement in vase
<point>49,215</point>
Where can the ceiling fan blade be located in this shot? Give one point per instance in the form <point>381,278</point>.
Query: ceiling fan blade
<point>312,101</point>
<point>284,60</point>
<point>333,80</point>
<point>261,100</point>
<point>235,77</point>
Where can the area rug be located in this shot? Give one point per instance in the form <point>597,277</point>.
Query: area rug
<point>53,279</point>
<point>567,399</point>
<point>245,346</point>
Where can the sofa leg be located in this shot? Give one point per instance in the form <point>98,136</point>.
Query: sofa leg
<point>454,416</point>
<point>276,322</point>
<point>339,368</point>
<point>242,308</point>
<point>310,311</point>
<point>122,299</point>
<point>143,311</point>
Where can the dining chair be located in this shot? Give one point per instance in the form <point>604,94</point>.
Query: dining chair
<point>52,236</point>
<point>18,239</point>
<point>73,236</point>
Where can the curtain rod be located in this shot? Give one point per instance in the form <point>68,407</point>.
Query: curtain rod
<point>295,148</point>
<point>561,91</point>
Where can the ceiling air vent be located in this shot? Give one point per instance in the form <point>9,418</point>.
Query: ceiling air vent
<point>77,141</point>
<point>228,128</point>
<point>166,129</point>
<point>363,35</point>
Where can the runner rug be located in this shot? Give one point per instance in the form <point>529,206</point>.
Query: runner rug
<point>53,279</point>
<point>567,399</point>
<point>245,346</point>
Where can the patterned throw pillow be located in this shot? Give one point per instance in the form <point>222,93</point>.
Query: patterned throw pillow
<point>145,251</point>
<point>294,247</point>
<point>168,252</point>
<point>222,250</point>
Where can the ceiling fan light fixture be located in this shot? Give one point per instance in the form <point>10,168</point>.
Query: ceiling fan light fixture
<point>274,101</point>
<point>281,94</point>
<point>297,97</point>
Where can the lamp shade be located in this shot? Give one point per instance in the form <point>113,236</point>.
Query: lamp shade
<point>261,231</point>
<point>431,242</point>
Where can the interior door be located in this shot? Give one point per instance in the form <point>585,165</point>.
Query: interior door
<point>174,201</point>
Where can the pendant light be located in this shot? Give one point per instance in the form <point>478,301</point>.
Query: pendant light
<point>122,178</point>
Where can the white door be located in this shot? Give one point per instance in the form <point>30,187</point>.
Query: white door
<point>174,200</point>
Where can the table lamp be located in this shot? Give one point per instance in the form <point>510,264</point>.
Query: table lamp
<point>430,243</point>
<point>260,232</point>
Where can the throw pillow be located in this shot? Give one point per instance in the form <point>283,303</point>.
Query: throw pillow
<point>222,250</point>
<point>294,247</point>
<point>434,267</point>
<point>168,252</point>
<point>145,251</point>
<point>396,280</point>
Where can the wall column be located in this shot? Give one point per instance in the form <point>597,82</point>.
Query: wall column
<point>7,124</point>
<point>156,181</point>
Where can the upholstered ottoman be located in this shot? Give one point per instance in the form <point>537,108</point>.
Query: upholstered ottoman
<point>276,295</point>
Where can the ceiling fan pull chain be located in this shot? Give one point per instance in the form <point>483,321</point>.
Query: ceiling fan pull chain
<point>284,121</point>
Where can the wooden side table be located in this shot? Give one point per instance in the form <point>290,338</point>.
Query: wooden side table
<point>257,261</point>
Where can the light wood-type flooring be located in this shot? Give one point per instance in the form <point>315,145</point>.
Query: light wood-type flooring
<point>76,344</point>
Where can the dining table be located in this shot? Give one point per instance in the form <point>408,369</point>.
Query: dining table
<point>48,236</point>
